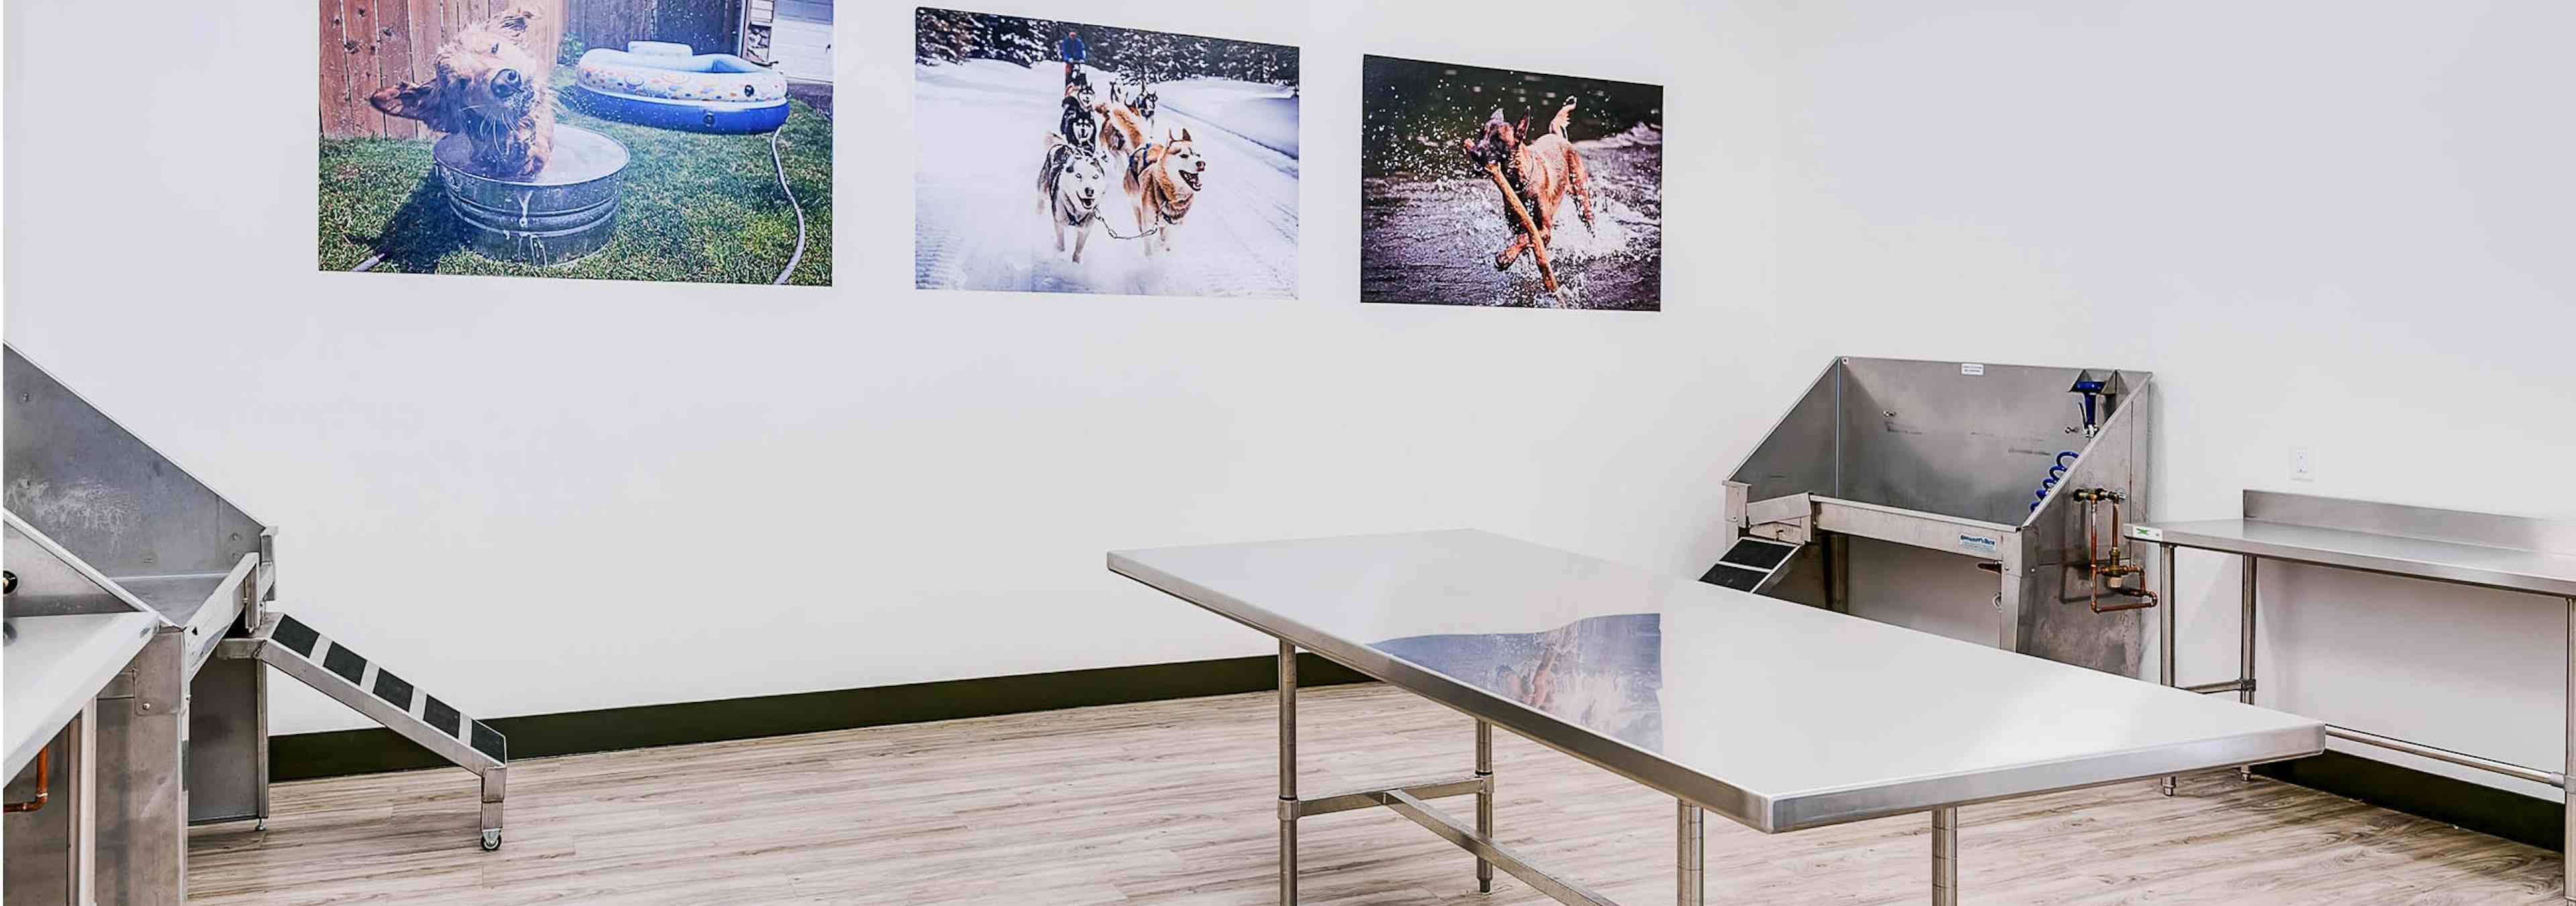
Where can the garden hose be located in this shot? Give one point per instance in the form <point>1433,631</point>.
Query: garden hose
<point>781,165</point>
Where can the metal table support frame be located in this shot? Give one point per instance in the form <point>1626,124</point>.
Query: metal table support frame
<point>2489,551</point>
<point>1690,875</point>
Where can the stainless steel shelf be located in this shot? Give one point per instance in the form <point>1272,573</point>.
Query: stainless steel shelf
<point>2374,547</point>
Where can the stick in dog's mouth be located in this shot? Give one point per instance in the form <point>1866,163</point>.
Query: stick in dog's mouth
<point>1538,248</point>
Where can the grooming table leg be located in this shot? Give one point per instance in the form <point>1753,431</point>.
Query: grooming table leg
<point>1690,854</point>
<point>1484,802</point>
<point>1945,857</point>
<point>2245,643</point>
<point>1287,774</point>
<point>2165,634</point>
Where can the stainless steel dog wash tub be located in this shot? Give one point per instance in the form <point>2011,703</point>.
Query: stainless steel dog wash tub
<point>564,212</point>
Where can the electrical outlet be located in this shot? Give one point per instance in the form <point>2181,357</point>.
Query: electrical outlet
<point>2303,464</point>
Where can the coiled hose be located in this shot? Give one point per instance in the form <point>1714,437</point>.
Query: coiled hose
<point>2065,460</point>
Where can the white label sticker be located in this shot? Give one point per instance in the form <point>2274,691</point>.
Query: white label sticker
<point>1979,544</point>
<point>2146,533</point>
<point>1972,369</point>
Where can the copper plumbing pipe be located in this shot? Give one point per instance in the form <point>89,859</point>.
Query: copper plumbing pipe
<point>2103,571</point>
<point>44,784</point>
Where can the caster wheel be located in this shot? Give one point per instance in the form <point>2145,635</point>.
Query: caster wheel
<point>491,839</point>
<point>259,825</point>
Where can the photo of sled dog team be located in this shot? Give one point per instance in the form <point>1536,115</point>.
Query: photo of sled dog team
<point>1160,179</point>
<point>1164,164</point>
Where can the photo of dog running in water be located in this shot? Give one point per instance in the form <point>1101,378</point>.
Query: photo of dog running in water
<point>1178,151</point>
<point>1458,188</point>
<point>1533,177</point>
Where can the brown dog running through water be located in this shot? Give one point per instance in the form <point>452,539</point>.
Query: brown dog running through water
<point>1533,177</point>
<point>1162,180</point>
<point>490,88</point>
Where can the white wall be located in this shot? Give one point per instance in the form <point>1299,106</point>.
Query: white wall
<point>535,496</point>
<point>2327,224</point>
<point>2330,224</point>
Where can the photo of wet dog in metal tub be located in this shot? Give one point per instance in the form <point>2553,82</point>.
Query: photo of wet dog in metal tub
<point>562,212</point>
<point>449,146</point>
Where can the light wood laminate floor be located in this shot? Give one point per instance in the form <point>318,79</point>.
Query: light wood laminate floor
<point>1171,803</point>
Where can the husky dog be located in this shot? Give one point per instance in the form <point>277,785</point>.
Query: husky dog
<point>1142,98</point>
<point>1070,184</point>
<point>1146,101</point>
<point>1077,124</point>
<point>1162,181</point>
<point>492,89</point>
<point>1121,130</point>
<point>1540,172</point>
<point>1079,85</point>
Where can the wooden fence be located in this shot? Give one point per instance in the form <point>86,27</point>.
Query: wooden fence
<point>710,26</point>
<point>369,44</point>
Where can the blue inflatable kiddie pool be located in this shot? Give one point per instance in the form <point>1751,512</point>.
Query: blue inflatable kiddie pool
<point>652,83</point>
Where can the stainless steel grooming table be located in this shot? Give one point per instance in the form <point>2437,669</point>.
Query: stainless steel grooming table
<point>2509,553</point>
<point>1777,715</point>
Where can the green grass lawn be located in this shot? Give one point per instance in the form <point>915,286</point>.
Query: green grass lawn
<point>694,206</point>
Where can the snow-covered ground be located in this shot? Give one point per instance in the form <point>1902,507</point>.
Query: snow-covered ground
<point>981,130</point>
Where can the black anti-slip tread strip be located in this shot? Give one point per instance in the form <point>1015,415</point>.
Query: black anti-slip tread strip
<point>1729,575</point>
<point>1758,553</point>
<point>437,714</point>
<point>346,663</point>
<point>297,637</point>
<point>488,741</point>
<point>393,689</point>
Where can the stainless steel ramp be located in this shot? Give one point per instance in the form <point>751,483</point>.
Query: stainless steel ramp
<point>352,679</point>
<point>1753,564</point>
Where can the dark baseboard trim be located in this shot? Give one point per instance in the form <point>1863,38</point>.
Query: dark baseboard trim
<point>304,756</point>
<point>2485,809</point>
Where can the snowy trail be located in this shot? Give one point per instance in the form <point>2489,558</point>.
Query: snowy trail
<point>981,130</point>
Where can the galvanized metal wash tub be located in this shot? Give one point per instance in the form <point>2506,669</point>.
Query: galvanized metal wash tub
<point>564,212</point>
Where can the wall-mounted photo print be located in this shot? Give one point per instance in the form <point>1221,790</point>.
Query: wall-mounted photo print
<point>1079,158</point>
<point>678,140</point>
<point>1501,187</point>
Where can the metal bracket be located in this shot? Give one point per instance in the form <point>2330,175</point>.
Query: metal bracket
<point>1407,800</point>
<point>1447,828</point>
<point>1375,796</point>
<point>1790,518</point>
